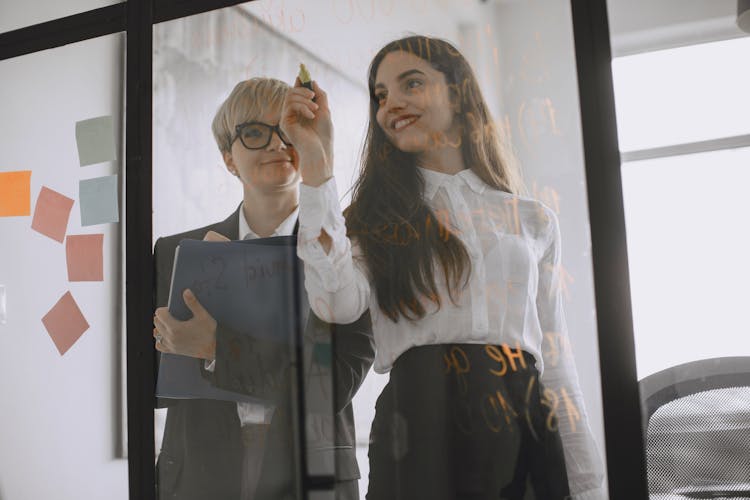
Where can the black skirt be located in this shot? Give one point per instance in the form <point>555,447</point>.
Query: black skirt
<point>465,421</point>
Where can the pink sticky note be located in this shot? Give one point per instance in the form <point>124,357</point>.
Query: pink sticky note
<point>51,214</point>
<point>65,323</point>
<point>84,255</point>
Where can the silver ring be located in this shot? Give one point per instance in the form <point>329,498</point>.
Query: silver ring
<point>158,339</point>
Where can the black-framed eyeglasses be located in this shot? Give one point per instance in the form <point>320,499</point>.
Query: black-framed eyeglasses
<point>257,135</point>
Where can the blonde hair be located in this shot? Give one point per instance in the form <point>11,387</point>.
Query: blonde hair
<point>248,101</point>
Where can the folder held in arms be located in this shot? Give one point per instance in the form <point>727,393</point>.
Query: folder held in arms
<point>250,286</point>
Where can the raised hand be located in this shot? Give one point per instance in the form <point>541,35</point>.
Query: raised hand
<point>306,120</point>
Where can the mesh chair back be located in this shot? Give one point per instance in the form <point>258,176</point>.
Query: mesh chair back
<point>700,442</point>
<point>696,421</point>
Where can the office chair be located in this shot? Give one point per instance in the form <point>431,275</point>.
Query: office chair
<point>696,421</point>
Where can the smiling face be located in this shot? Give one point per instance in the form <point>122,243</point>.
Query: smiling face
<point>274,168</point>
<point>414,108</point>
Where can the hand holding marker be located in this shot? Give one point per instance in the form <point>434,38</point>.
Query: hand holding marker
<point>306,120</point>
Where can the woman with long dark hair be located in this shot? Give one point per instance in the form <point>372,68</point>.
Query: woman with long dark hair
<point>462,277</point>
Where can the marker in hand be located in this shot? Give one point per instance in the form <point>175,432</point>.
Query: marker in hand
<point>304,77</point>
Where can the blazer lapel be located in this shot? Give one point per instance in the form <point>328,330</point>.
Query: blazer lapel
<point>230,227</point>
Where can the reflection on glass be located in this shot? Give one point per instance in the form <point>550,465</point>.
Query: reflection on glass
<point>472,391</point>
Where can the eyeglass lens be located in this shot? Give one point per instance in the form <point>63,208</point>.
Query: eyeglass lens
<point>258,135</point>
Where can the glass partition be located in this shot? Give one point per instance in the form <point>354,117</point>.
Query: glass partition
<point>60,273</point>
<point>529,289</point>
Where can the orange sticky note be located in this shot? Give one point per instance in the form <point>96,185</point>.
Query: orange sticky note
<point>15,193</point>
<point>51,214</point>
<point>65,323</point>
<point>84,255</point>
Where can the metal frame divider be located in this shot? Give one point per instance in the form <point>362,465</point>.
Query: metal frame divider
<point>620,396</point>
<point>138,257</point>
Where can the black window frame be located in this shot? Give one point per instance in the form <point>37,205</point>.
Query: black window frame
<point>620,398</point>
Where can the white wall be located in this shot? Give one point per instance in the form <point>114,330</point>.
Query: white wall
<point>58,423</point>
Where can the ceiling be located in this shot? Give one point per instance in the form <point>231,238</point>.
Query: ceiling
<point>642,25</point>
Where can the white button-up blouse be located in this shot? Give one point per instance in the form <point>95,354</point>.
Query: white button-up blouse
<point>513,295</point>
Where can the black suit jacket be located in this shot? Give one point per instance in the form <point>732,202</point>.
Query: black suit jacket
<point>202,450</point>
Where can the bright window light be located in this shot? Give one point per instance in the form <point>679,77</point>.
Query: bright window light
<point>683,95</point>
<point>688,233</point>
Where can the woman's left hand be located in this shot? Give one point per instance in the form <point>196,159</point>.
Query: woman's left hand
<point>195,337</point>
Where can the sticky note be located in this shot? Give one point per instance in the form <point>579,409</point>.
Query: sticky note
<point>51,214</point>
<point>84,254</point>
<point>96,140</point>
<point>98,197</point>
<point>15,193</point>
<point>65,323</point>
<point>322,353</point>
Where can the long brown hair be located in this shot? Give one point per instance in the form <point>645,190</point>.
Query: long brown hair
<point>400,236</point>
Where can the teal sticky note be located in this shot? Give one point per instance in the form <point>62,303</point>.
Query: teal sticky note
<point>98,200</point>
<point>322,353</point>
<point>96,140</point>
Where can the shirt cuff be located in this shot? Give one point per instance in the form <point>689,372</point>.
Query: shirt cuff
<point>320,210</point>
<point>595,494</point>
<point>250,413</point>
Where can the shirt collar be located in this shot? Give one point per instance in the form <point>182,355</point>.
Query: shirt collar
<point>433,180</point>
<point>285,228</point>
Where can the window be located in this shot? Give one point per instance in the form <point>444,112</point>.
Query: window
<point>681,118</point>
<point>683,126</point>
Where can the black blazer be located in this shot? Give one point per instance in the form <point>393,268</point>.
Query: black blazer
<point>202,451</point>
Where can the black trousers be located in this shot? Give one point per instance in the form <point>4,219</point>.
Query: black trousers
<point>468,422</point>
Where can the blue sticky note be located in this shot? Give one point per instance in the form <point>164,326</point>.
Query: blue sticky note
<point>98,200</point>
<point>96,140</point>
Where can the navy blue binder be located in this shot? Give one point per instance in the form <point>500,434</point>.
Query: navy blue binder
<point>251,286</point>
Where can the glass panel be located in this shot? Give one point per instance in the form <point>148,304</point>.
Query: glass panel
<point>60,166</point>
<point>523,61</point>
<point>682,95</point>
<point>19,15</point>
